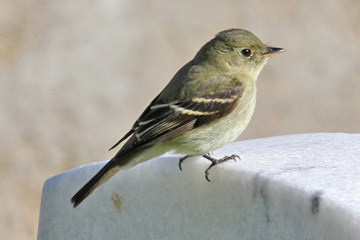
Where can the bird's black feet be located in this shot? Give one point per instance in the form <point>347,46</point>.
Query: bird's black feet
<point>182,159</point>
<point>217,161</point>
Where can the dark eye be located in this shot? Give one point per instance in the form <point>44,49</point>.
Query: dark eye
<point>246,52</point>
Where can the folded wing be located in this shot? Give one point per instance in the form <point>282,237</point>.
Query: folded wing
<point>161,121</point>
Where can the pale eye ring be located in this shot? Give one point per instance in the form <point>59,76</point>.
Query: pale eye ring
<point>246,52</point>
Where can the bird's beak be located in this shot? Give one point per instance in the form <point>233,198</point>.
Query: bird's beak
<point>272,51</point>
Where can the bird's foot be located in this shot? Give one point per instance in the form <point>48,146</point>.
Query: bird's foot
<point>217,161</point>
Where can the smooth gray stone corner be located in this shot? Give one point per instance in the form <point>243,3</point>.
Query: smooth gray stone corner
<point>288,187</point>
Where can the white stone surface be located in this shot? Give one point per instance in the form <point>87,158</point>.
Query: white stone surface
<point>288,187</point>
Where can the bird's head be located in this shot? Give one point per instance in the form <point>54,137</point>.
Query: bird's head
<point>237,50</point>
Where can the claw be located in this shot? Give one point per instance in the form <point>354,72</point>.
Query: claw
<point>182,159</point>
<point>234,157</point>
<point>207,171</point>
<point>207,176</point>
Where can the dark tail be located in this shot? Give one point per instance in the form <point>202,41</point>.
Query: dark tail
<point>99,179</point>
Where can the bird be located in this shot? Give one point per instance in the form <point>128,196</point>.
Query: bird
<point>206,105</point>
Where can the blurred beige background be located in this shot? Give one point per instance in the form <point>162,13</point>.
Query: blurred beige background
<point>76,74</point>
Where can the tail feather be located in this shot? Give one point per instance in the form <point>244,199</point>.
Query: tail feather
<point>109,170</point>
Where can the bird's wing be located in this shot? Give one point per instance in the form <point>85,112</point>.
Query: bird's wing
<point>161,121</point>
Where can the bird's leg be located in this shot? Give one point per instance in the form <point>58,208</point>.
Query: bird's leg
<point>182,159</point>
<point>217,161</point>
